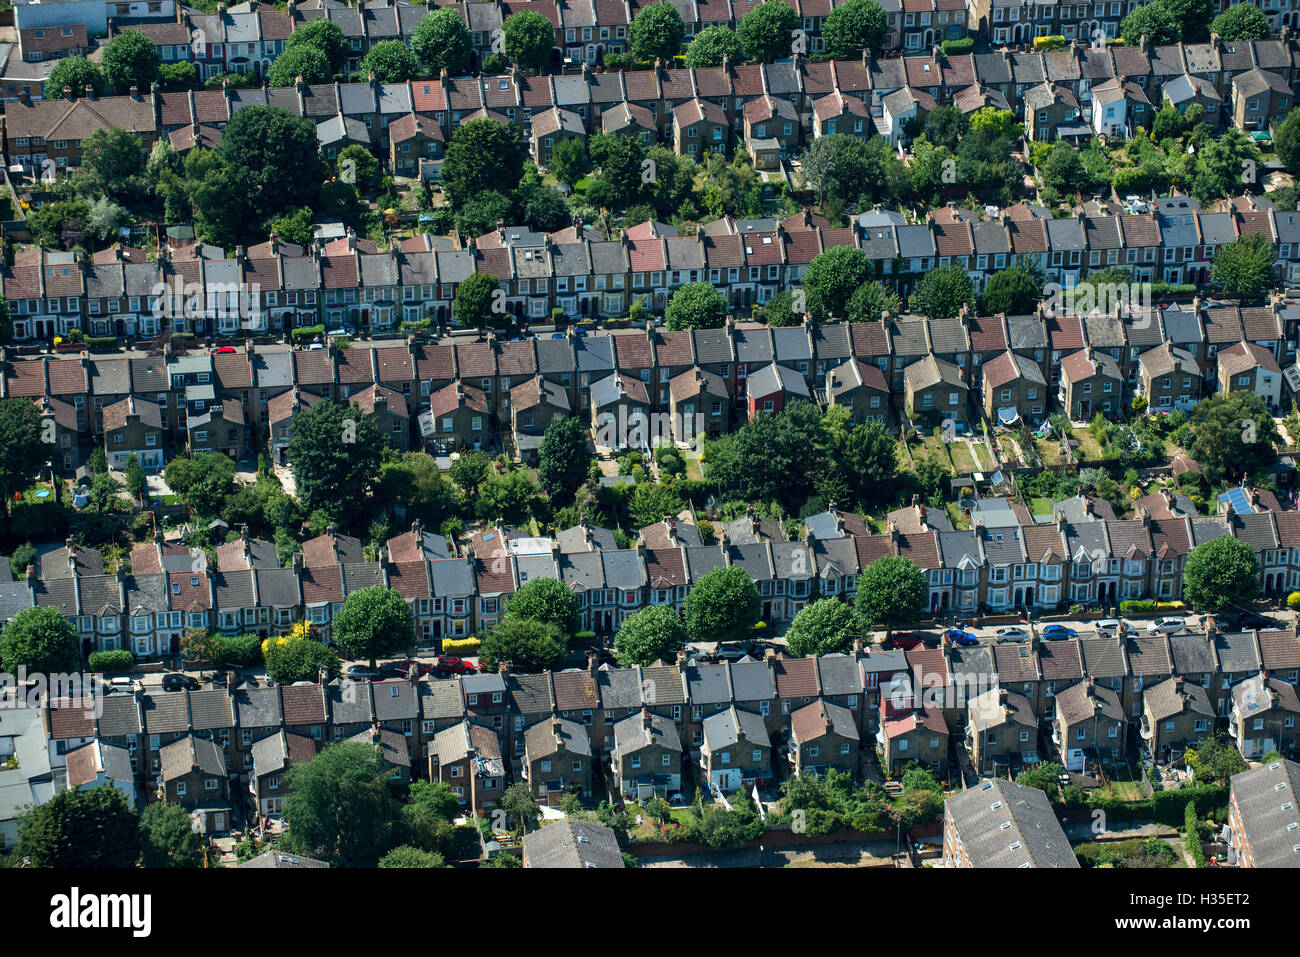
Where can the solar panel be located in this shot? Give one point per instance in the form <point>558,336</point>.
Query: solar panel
<point>1238,499</point>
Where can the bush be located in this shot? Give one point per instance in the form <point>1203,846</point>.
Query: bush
<point>1137,607</point>
<point>460,646</point>
<point>958,47</point>
<point>237,651</point>
<point>307,332</point>
<point>107,661</point>
<point>1193,839</point>
<point>1293,600</point>
<point>101,342</point>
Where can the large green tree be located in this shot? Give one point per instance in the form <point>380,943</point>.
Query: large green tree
<point>563,460</point>
<point>407,856</point>
<point>941,292</point>
<point>113,160</point>
<point>1241,21</point>
<point>131,59</point>
<point>1155,21</point>
<point>854,26</point>
<point>71,75</point>
<point>656,32</point>
<point>653,502</point>
<point>1233,435</point>
<point>168,838</point>
<point>1243,268</point>
<point>1221,575</point>
<point>892,593</point>
<point>290,659</point>
<point>710,46</point>
<point>530,646</point>
<point>483,156</point>
<point>770,31</point>
<point>653,634</point>
<point>442,41</point>
<point>373,623</point>
<point>326,36</point>
<point>203,482</point>
<point>546,600</point>
<point>827,626</point>
<point>334,452</point>
<point>529,38</point>
<point>477,303</point>
<point>80,830</point>
<point>832,278</point>
<point>22,450</point>
<point>309,62</point>
<point>1286,139</point>
<point>865,459</point>
<point>274,156</point>
<point>722,606</point>
<point>1014,291</point>
<point>696,305</point>
<point>1215,760</point>
<point>338,807</point>
<point>41,640</point>
<point>391,61</point>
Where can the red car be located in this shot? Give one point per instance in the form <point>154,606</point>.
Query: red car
<point>906,640</point>
<point>421,666</point>
<point>223,350</point>
<point>451,665</point>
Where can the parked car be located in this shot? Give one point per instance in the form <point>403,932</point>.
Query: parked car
<point>959,637</point>
<point>451,665</point>
<point>906,639</point>
<point>1107,627</point>
<point>1058,632</point>
<point>1166,626</point>
<point>1012,632</point>
<point>422,666</point>
<point>730,653</point>
<point>1252,621</point>
<point>179,682</point>
<point>759,649</point>
<point>360,673</point>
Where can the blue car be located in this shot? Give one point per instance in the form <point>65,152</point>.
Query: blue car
<point>1058,632</point>
<point>959,637</point>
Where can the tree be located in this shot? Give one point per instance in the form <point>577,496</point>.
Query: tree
<point>131,59</point>
<point>1241,21</point>
<point>562,459</point>
<point>358,165</point>
<point>390,61</point>
<point>1168,123</point>
<point>1221,575</point>
<point>1002,123</point>
<point>832,278</point>
<point>529,38</point>
<point>945,126</point>
<point>769,31</point>
<point>407,856</point>
<point>1014,291</point>
<point>136,481</point>
<point>1044,776</point>
<point>469,471</point>
<point>825,627</point>
<point>545,600</point>
<point>1232,435</point>
<point>1063,169</point>
<point>374,622</point>
<point>696,305</point>
<point>854,26</point>
<point>1287,137</point>
<point>866,460</point>
<point>1215,760</point>
<point>511,498</point>
<point>168,838</point>
<point>442,41</point>
<point>428,815</point>
<point>522,810</point>
<point>529,646</point>
<point>722,606</point>
<point>334,453</point>
<point>656,32</point>
<point>1193,17</point>
<point>289,659</point>
<point>180,75</point>
<point>892,593</point>
<point>652,502</point>
<point>273,155</point>
<point>338,807</point>
<point>870,302</point>
<point>326,36</point>
<point>71,75</point>
<point>415,481</point>
<point>621,159</point>
<point>41,640</point>
<point>569,160</point>
<point>1243,268</point>
<point>22,451</point>
<point>1155,21</point>
<point>711,46</point>
<point>655,633</point>
<point>309,62</point>
<point>80,829</point>
<point>942,292</point>
<point>203,482</point>
<point>483,156</point>
<point>112,159</point>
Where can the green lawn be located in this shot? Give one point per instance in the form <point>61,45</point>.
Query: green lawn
<point>1041,506</point>
<point>1089,447</point>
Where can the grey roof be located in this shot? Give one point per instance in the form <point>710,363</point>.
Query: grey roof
<point>624,568</point>
<point>724,729</point>
<point>708,684</point>
<point>644,730</point>
<point>1236,652</point>
<point>258,707</point>
<point>277,587</point>
<point>752,681</point>
<point>210,710</point>
<point>1268,800</point>
<point>349,702</point>
<point>1034,837</point>
<point>839,674</point>
<point>185,754</point>
<point>119,714</point>
<point>540,739</point>
<point>441,699</point>
<point>14,597</point>
<point>619,687</point>
<point>166,712</point>
<point>452,578</point>
<point>395,700</point>
<point>280,859</point>
<point>572,843</point>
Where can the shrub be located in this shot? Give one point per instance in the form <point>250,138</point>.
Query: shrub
<point>106,661</point>
<point>1193,840</point>
<point>1137,607</point>
<point>460,646</point>
<point>307,332</point>
<point>1293,600</point>
<point>101,342</point>
<point>958,47</point>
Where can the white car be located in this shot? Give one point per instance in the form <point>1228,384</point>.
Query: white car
<point>1166,626</point>
<point>1012,632</point>
<point>1107,627</point>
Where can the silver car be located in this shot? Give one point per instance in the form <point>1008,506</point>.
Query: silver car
<point>1166,626</point>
